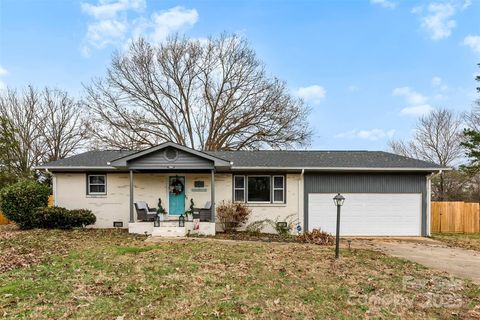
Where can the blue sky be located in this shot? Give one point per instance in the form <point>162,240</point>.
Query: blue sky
<point>368,69</point>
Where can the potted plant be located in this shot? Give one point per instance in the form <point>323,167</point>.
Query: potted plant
<point>161,212</point>
<point>189,212</point>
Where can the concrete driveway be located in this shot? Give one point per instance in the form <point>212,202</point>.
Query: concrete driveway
<point>430,253</point>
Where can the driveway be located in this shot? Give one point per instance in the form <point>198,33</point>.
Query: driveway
<point>430,253</point>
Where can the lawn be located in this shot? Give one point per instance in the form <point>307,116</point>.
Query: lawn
<point>462,240</point>
<point>99,274</point>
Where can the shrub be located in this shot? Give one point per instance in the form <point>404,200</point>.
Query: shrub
<point>256,227</point>
<point>316,236</point>
<point>19,201</point>
<point>61,218</point>
<point>285,226</point>
<point>232,215</point>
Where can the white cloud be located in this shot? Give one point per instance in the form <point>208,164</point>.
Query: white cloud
<point>417,103</point>
<point>165,22</point>
<point>473,42</point>
<point>437,19</point>
<point>109,9</point>
<point>112,25</point>
<point>384,3</point>
<point>373,134</point>
<point>313,94</point>
<point>3,71</point>
<point>438,83</point>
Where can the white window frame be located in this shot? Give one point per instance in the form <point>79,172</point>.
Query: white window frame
<point>244,189</point>
<point>277,189</point>
<point>96,184</point>
<point>259,175</point>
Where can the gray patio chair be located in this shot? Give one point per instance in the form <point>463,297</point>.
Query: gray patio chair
<point>205,213</point>
<point>145,213</point>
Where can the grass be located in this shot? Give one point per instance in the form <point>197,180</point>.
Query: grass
<point>108,274</point>
<point>462,240</point>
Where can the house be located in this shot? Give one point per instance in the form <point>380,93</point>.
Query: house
<point>386,194</point>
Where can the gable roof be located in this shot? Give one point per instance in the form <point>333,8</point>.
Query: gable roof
<point>258,160</point>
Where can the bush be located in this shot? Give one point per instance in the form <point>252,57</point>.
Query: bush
<point>61,218</point>
<point>283,227</point>
<point>256,227</point>
<point>316,236</point>
<point>232,215</point>
<point>19,201</point>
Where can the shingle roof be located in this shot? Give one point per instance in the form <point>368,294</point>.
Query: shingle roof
<point>89,159</point>
<point>269,158</point>
<point>320,159</point>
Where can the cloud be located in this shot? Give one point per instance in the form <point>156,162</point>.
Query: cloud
<point>384,3</point>
<point>473,42</point>
<point>112,23</point>
<point>3,73</point>
<point>166,22</point>
<point>313,94</point>
<point>437,19</point>
<point>438,83</point>
<point>373,134</point>
<point>417,103</point>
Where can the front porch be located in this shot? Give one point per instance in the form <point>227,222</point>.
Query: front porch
<point>172,229</point>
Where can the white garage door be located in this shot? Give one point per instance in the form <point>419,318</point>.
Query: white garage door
<point>367,214</point>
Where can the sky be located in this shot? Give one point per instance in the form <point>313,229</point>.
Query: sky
<point>368,69</point>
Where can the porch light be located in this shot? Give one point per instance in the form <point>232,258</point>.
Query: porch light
<point>156,222</point>
<point>181,220</point>
<point>338,200</point>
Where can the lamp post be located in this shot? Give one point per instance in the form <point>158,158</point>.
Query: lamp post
<point>338,200</point>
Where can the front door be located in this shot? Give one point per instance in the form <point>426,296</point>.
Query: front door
<point>176,195</point>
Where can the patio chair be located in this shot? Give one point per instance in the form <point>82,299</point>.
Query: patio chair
<point>145,213</point>
<point>204,214</point>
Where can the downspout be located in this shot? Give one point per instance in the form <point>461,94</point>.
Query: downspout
<point>300,198</point>
<point>429,200</point>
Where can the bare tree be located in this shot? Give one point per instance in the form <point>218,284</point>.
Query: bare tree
<point>208,95</point>
<point>63,129</point>
<point>436,139</point>
<point>38,126</point>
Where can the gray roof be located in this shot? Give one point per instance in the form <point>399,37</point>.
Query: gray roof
<point>320,159</point>
<point>293,159</point>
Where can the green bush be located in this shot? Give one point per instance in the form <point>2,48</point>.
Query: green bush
<point>19,201</point>
<point>61,218</point>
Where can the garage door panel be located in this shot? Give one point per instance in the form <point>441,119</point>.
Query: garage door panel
<point>368,214</point>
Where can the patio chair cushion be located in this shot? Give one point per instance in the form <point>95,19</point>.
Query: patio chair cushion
<point>142,205</point>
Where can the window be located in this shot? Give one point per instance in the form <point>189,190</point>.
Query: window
<point>278,189</point>
<point>259,188</point>
<point>239,188</point>
<point>97,184</point>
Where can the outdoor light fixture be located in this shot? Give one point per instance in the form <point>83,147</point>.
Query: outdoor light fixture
<point>156,222</point>
<point>181,220</point>
<point>338,200</point>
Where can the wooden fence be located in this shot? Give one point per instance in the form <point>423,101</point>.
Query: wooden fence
<point>455,216</point>
<point>4,220</point>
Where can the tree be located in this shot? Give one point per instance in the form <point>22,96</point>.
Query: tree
<point>210,95</point>
<point>37,126</point>
<point>436,139</point>
<point>472,146</point>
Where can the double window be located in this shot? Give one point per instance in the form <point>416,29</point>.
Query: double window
<point>96,184</point>
<point>259,188</point>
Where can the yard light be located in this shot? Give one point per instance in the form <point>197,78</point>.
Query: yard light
<point>181,220</point>
<point>338,200</point>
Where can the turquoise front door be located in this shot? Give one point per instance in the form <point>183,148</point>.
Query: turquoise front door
<point>176,195</point>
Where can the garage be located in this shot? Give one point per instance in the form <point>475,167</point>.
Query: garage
<point>368,214</point>
<point>376,203</point>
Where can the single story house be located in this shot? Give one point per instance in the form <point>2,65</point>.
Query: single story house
<point>385,194</point>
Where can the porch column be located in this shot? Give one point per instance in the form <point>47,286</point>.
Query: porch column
<point>132,219</point>
<point>212,194</point>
